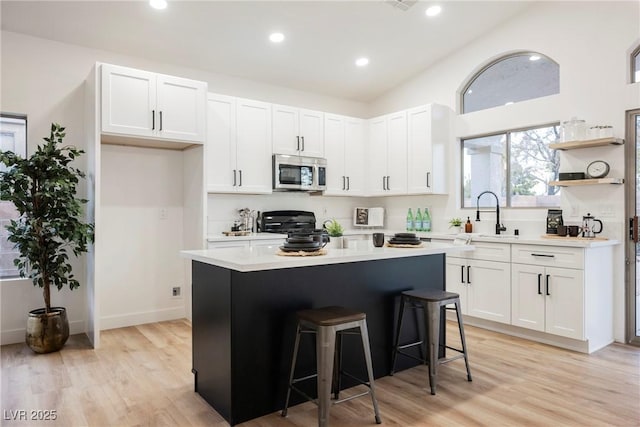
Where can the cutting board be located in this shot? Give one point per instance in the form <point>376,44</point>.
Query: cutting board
<point>556,237</point>
<point>236,233</point>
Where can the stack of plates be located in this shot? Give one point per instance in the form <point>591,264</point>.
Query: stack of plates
<point>301,243</point>
<point>404,239</point>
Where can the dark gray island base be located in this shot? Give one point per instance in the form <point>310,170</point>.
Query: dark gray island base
<point>244,325</point>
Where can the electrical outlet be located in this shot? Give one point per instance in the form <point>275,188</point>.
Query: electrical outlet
<point>164,213</point>
<point>175,291</point>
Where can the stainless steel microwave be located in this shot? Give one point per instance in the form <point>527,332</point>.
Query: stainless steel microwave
<point>295,173</point>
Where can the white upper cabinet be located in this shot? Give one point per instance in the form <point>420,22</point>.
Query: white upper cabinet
<point>387,151</point>
<point>344,150</point>
<point>428,139</point>
<point>298,131</point>
<point>238,145</point>
<point>142,104</point>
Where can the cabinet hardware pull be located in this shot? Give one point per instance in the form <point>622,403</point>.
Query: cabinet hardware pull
<point>388,180</point>
<point>633,228</point>
<point>348,183</point>
<point>160,120</point>
<point>234,177</point>
<point>462,274</point>
<point>428,186</point>
<point>153,119</point>
<point>298,147</point>
<point>539,280</point>
<point>547,291</point>
<point>302,138</point>
<point>468,274</point>
<point>544,255</point>
<point>240,173</point>
<point>344,187</point>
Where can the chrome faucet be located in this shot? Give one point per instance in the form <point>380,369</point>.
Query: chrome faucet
<point>499,227</point>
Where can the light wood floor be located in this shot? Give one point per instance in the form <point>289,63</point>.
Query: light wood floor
<point>142,377</point>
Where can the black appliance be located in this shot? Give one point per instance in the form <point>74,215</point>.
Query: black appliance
<point>286,221</point>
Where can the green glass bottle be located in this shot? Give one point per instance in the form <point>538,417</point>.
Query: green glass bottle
<point>426,220</point>
<point>417,221</point>
<point>409,220</point>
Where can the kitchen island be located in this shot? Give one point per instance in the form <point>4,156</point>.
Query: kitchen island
<point>244,305</point>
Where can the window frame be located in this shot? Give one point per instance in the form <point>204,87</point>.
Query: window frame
<point>24,117</point>
<point>507,134</point>
<point>635,53</point>
<point>490,64</point>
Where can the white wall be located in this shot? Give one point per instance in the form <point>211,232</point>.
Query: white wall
<point>45,80</point>
<point>591,41</point>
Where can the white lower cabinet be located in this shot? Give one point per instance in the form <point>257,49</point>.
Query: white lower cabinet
<point>548,299</point>
<point>483,284</point>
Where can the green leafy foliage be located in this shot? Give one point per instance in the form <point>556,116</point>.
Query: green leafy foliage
<point>334,228</point>
<point>43,189</point>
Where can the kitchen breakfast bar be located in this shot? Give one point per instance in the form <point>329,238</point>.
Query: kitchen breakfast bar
<point>243,315</point>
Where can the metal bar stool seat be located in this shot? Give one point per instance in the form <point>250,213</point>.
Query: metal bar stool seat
<point>431,302</point>
<point>327,323</point>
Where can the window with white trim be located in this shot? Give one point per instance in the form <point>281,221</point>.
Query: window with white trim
<point>13,137</point>
<point>509,79</point>
<point>516,165</point>
<point>635,65</point>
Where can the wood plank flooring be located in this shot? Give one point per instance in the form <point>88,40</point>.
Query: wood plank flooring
<point>142,377</point>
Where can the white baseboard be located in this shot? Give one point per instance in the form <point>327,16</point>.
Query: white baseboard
<point>132,319</point>
<point>14,336</point>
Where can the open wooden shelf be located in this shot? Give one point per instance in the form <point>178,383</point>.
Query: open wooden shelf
<point>577,182</point>
<point>600,142</point>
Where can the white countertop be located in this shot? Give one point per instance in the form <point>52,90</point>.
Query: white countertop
<point>253,236</point>
<point>475,237</point>
<point>526,240</point>
<point>259,258</point>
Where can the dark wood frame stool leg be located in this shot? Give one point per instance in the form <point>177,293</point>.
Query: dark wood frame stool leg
<point>432,302</point>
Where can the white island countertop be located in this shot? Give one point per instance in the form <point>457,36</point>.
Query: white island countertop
<point>245,259</point>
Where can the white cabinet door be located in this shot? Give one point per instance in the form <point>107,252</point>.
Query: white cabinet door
<point>254,146</point>
<point>311,133</point>
<point>428,139</point>
<point>549,299</point>
<point>377,151</point>
<point>456,273</point>
<point>334,132</point>
<point>286,134</point>
<point>527,296</point>
<point>148,105</point>
<point>298,131</point>
<point>489,290</point>
<point>564,314</point>
<point>397,153</point>
<point>354,153</point>
<point>181,107</point>
<point>221,143</point>
<point>128,101</point>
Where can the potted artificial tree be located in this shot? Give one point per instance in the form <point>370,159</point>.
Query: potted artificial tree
<point>48,231</point>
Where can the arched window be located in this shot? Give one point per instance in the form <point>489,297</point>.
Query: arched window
<point>635,65</point>
<point>512,78</point>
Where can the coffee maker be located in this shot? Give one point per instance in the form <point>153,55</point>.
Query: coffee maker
<point>589,226</point>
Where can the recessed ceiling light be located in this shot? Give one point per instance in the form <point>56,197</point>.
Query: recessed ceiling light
<point>361,62</point>
<point>534,57</point>
<point>470,91</point>
<point>276,37</point>
<point>158,4</point>
<point>433,10</point>
<point>508,103</point>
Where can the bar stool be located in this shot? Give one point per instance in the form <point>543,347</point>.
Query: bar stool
<point>431,302</point>
<point>327,323</point>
